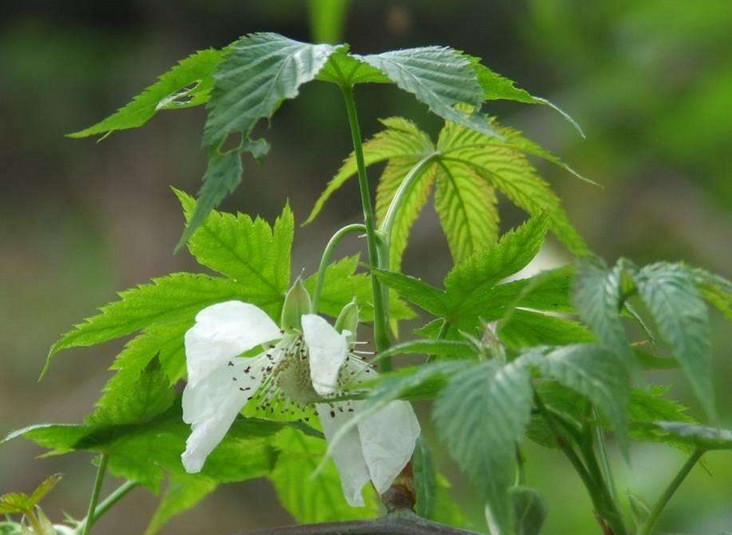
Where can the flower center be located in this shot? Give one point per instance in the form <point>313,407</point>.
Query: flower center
<point>293,374</point>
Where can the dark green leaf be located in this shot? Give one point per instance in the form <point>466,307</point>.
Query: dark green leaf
<point>529,510</point>
<point>523,329</point>
<point>185,85</point>
<point>182,493</point>
<point>415,291</point>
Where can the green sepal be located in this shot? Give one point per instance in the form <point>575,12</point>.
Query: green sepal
<point>297,303</point>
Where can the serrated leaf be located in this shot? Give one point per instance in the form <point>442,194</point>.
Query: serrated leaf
<point>46,486</point>
<point>185,85</point>
<point>343,68</point>
<point>173,298</point>
<point>671,295</point>
<point>523,329</point>
<point>529,510</point>
<point>445,349</point>
<point>595,374</point>
<point>15,503</point>
<point>487,405</point>
<point>144,452</point>
<point>245,249</point>
<point>467,207</point>
<point>182,494</point>
<point>416,291</point>
<point>223,175</point>
<point>148,397</point>
<point>308,498</point>
<point>258,72</point>
<point>597,297</point>
<point>698,437</point>
<point>439,77</point>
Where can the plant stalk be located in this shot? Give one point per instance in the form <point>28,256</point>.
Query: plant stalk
<point>96,490</point>
<point>325,260</point>
<point>381,333</point>
<point>109,502</point>
<point>650,522</point>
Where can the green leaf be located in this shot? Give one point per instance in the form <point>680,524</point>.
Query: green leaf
<point>245,249</point>
<point>344,69</point>
<point>148,397</point>
<point>467,207</point>
<point>502,164</point>
<point>671,295</point>
<point>185,85</point>
<point>182,494</point>
<point>258,72</point>
<point>497,87</point>
<point>439,77</point>
<point>401,141</point>
<point>312,499</point>
<point>469,280</point>
<point>595,374</point>
<point>174,298</point>
<point>523,329</point>
<point>481,415</point>
<point>21,503</point>
<point>222,177</point>
<point>144,452</point>
<point>446,349</point>
<point>415,291</point>
<point>716,290</point>
<point>46,486</point>
<point>597,296</point>
<point>425,478</point>
<point>529,510</point>
<point>697,437</point>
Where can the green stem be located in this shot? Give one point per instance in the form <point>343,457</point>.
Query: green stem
<point>109,502</point>
<point>402,193</point>
<point>605,463</point>
<point>381,333</point>
<point>325,260</point>
<point>91,514</point>
<point>650,522</point>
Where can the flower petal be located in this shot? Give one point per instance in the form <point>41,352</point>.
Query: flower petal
<point>328,350</point>
<point>347,453</point>
<point>222,332</point>
<point>212,405</point>
<point>387,441</point>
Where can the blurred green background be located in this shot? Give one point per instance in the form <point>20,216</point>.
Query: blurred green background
<point>650,81</point>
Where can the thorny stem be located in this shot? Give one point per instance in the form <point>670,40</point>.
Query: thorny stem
<point>109,502</point>
<point>325,260</point>
<point>399,523</point>
<point>381,333</point>
<point>91,514</point>
<point>650,523</point>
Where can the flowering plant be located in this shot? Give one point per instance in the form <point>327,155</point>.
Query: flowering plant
<point>274,389</point>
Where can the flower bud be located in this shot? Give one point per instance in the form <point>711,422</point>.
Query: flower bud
<point>348,320</point>
<point>297,303</point>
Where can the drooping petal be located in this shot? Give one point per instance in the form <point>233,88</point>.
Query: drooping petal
<point>212,404</point>
<point>328,351</point>
<point>222,332</point>
<point>347,453</point>
<point>387,440</point>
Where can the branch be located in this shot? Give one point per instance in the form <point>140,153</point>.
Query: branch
<point>398,523</point>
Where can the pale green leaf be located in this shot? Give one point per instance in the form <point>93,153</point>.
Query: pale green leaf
<point>467,207</point>
<point>681,315</point>
<point>185,85</point>
<point>439,77</point>
<point>312,498</point>
<point>182,494</point>
<point>481,415</point>
<point>258,72</point>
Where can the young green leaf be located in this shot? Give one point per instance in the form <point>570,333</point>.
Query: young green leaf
<point>182,493</point>
<point>258,72</point>
<point>439,77</point>
<point>529,510</point>
<point>312,499</point>
<point>481,415</point>
<point>185,85</point>
<point>344,69</point>
<point>695,436</point>
<point>671,295</point>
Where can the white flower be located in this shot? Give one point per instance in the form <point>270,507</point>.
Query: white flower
<point>292,371</point>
